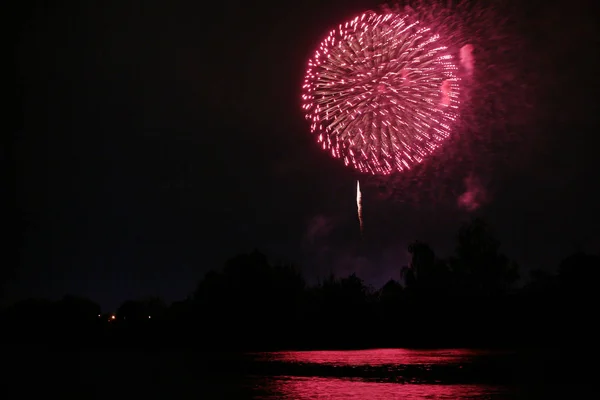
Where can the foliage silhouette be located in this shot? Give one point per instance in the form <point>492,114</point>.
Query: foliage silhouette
<point>469,299</point>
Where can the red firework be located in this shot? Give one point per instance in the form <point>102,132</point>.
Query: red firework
<point>381,92</point>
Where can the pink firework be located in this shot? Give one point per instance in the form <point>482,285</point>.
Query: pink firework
<point>381,92</point>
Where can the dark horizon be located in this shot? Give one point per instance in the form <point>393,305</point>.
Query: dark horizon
<point>522,278</point>
<point>468,300</point>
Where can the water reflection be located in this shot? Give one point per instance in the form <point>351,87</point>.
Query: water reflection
<point>376,357</point>
<point>299,388</point>
<point>381,374</point>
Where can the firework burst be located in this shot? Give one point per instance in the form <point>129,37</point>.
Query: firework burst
<point>382,92</point>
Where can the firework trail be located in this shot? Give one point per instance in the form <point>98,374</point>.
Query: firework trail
<point>382,91</point>
<point>359,206</point>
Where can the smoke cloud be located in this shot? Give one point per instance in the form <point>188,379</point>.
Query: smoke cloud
<point>474,196</point>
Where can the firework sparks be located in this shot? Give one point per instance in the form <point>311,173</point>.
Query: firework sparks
<point>381,92</point>
<point>359,205</point>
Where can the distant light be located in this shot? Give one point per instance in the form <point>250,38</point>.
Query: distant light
<point>149,316</point>
<point>99,315</point>
<point>112,317</point>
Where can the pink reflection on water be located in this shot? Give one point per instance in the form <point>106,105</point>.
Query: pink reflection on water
<point>375,357</point>
<point>330,388</point>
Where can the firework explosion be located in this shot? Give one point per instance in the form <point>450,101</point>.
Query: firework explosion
<point>382,92</point>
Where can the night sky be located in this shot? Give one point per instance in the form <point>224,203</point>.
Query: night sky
<point>156,139</point>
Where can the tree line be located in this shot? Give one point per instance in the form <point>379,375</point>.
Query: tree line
<point>468,300</point>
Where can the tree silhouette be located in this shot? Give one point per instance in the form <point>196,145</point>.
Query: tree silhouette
<point>391,292</point>
<point>426,274</point>
<point>141,310</point>
<point>251,304</point>
<point>250,293</point>
<point>391,302</point>
<point>479,265</point>
<point>578,279</point>
<point>541,282</point>
<point>74,308</point>
<point>579,274</point>
<point>421,267</point>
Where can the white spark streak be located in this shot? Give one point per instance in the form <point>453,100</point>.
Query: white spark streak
<point>359,205</point>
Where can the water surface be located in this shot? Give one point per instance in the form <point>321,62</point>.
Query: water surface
<point>403,374</point>
<point>296,375</point>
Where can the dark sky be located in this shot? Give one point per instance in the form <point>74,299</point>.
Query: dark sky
<point>156,139</point>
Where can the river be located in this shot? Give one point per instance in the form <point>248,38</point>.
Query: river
<point>297,375</point>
